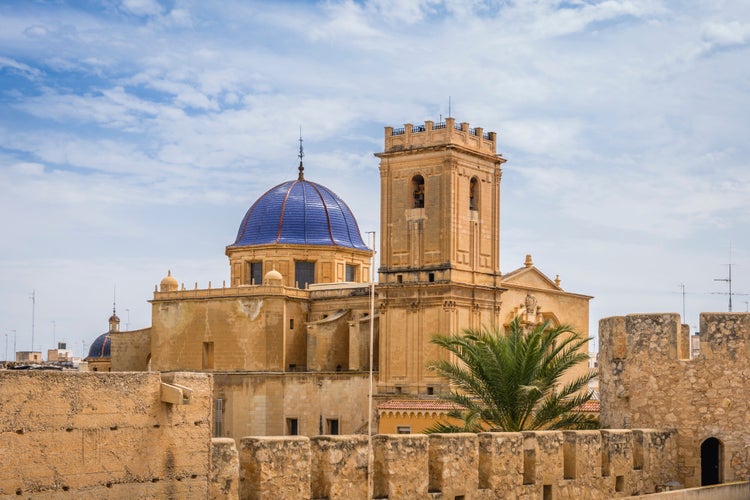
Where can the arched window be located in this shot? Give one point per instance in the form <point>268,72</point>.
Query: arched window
<point>473,194</point>
<point>417,184</point>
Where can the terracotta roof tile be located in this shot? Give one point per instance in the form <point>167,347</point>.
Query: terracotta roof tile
<point>418,404</point>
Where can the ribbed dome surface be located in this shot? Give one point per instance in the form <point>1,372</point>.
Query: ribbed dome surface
<point>300,212</point>
<point>100,347</point>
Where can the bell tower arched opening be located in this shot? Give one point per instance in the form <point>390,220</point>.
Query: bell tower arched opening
<point>417,185</point>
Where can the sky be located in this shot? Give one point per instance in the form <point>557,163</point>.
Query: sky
<point>135,134</point>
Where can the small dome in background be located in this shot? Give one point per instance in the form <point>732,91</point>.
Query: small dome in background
<point>168,283</point>
<point>100,347</point>
<point>273,277</point>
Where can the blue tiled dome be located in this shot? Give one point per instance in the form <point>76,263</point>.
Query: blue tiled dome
<point>300,212</point>
<point>100,347</point>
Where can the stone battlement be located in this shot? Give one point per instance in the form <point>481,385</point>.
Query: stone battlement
<point>548,464</point>
<point>439,134</point>
<point>721,334</point>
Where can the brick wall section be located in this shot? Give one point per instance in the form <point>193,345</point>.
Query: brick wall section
<point>102,435</point>
<point>646,382</point>
<point>549,464</point>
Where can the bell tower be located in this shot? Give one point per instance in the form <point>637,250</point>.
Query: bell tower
<point>440,246</point>
<point>440,204</point>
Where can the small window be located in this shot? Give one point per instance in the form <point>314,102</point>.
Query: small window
<point>332,426</point>
<point>417,184</point>
<point>255,275</point>
<point>304,273</point>
<point>292,367</point>
<point>218,417</point>
<point>351,273</point>
<point>403,429</point>
<point>292,427</point>
<point>431,277</point>
<point>474,194</point>
<point>430,390</point>
<point>291,324</point>
<point>399,278</point>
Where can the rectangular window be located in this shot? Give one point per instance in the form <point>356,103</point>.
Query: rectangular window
<point>431,277</point>
<point>256,273</point>
<point>304,273</point>
<point>430,390</point>
<point>218,417</point>
<point>291,324</point>
<point>403,429</point>
<point>292,428</point>
<point>351,273</point>
<point>332,426</point>
<point>208,355</point>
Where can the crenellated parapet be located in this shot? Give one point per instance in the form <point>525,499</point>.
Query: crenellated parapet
<point>548,464</point>
<point>663,335</point>
<point>440,134</point>
<point>647,378</point>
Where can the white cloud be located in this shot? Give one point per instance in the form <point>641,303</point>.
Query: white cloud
<point>144,131</point>
<point>141,7</point>
<point>21,68</point>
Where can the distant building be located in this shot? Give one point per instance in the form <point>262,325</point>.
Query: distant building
<point>61,354</point>
<point>29,356</point>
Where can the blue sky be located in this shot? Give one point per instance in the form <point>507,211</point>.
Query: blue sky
<point>135,134</point>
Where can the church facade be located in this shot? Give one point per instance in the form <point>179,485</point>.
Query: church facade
<point>288,337</point>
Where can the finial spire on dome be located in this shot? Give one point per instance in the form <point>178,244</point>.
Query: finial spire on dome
<point>300,155</point>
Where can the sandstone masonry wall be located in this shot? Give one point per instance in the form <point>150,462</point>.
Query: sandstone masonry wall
<point>550,465</point>
<point>107,435</point>
<point>647,380</point>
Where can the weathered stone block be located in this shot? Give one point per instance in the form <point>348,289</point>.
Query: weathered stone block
<point>401,466</point>
<point>339,467</point>
<point>274,468</point>
<point>225,469</point>
<point>454,464</point>
<point>500,461</point>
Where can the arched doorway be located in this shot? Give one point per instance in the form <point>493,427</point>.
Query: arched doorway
<point>710,461</point>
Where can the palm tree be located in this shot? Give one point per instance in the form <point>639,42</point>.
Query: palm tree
<point>511,381</point>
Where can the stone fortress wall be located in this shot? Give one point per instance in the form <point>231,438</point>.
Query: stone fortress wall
<point>148,435</point>
<point>647,379</point>
<point>106,435</point>
<point>546,464</point>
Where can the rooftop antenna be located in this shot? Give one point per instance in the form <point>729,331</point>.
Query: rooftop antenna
<point>33,316</point>
<point>682,285</point>
<point>728,280</point>
<point>449,107</point>
<point>301,155</point>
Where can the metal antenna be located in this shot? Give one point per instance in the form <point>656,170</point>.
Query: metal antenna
<point>728,279</point>
<point>682,285</point>
<point>33,316</point>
